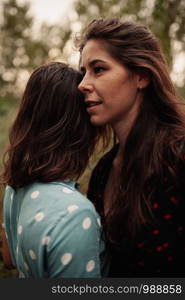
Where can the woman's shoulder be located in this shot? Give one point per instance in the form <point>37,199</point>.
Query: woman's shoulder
<point>173,162</point>
<point>57,195</point>
<point>174,152</point>
<point>51,206</point>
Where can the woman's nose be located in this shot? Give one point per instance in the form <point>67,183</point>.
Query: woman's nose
<point>85,86</point>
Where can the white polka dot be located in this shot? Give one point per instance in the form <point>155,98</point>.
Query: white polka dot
<point>32,254</point>
<point>26,266</point>
<point>46,239</point>
<point>19,229</point>
<point>67,191</point>
<point>66,258</point>
<point>86,223</point>
<point>35,194</point>
<point>72,208</point>
<point>90,265</point>
<point>99,222</point>
<point>39,217</point>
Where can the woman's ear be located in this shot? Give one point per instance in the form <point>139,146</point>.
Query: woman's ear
<point>143,79</point>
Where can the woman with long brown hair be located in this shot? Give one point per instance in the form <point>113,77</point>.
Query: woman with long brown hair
<point>52,229</point>
<point>138,187</point>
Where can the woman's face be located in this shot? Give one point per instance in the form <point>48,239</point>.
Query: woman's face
<point>111,91</point>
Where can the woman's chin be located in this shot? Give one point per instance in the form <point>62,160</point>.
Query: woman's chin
<point>96,121</point>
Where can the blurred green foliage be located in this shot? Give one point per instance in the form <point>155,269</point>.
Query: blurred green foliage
<point>166,19</point>
<point>22,50</point>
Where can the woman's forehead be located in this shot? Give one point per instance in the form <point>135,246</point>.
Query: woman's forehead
<point>94,50</point>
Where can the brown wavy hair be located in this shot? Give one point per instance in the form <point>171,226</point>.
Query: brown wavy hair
<point>159,129</point>
<point>51,138</point>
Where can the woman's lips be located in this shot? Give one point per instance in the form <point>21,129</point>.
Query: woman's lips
<point>91,105</point>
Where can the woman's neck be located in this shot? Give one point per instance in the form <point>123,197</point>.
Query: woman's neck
<point>122,131</point>
<point>124,126</point>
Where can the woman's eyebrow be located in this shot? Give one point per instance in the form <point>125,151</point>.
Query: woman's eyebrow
<point>92,63</point>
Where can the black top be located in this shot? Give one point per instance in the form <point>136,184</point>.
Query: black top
<point>160,250</point>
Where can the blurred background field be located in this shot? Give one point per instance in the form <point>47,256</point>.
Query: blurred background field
<point>34,32</point>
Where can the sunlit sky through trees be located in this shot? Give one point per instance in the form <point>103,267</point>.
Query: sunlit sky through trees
<point>50,11</point>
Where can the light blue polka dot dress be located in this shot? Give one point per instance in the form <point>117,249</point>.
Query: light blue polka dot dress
<point>53,232</point>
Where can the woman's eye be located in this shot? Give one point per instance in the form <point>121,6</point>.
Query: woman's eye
<point>98,70</point>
